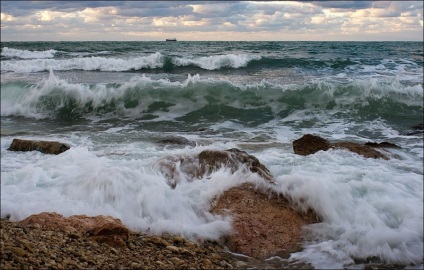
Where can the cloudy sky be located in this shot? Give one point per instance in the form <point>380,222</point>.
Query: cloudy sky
<point>211,20</point>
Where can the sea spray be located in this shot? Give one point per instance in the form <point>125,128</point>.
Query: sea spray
<point>26,54</point>
<point>368,209</point>
<point>120,105</point>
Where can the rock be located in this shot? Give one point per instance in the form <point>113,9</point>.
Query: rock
<point>310,144</point>
<point>173,249</point>
<point>103,229</point>
<point>263,223</point>
<point>135,265</point>
<point>178,240</point>
<point>175,141</point>
<point>17,251</point>
<point>190,167</point>
<point>46,147</point>
<point>240,264</point>
<point>382,145</point>
<point>360,149</point>
<point>417,129</point>
<point>176,261</point>
<point>213,160</point>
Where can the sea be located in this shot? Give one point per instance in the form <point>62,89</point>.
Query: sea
<point>124,106</point>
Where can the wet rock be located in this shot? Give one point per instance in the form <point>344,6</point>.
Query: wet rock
<point>52,249</point>
<point>46,147</point>
<point>190,167</point>
<point>176,141</point>
<point>417,129</point>
<point>213,160</point>
<point>360,149</point>
<point>263,222</point>
<point>382,145</point>
<point>310,144</point>
<point>103,229</point>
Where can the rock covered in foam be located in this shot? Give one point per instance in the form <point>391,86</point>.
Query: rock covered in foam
<point>46,147</point>
<point>103,229</point>
<point>191,167</point>
<point>264,223</point>
<point>212,160</point>
<point>360,149</point>
<point>415,130</point>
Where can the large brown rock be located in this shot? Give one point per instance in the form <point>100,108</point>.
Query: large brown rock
<point>264,223</point>
<point>310,144</point>
<point>192,167</point>
<point>360,149</point>
<point>46,147</point>
<point>212,160</point>
<point>103,229</point>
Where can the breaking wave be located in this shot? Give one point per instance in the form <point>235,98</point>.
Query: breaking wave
<point>152,61</point>
<point>146,98</point>
<point>25,54</point>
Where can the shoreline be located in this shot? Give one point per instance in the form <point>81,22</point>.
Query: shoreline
<point>33,247</point>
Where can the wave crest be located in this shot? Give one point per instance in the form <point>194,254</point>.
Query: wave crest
<point>160,99</point>
<point>25,54</point>
<point>152,61</point>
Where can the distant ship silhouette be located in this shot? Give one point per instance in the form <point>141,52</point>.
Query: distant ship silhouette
<point>171,39</point>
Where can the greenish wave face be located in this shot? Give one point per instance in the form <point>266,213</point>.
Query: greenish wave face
<point>213,101</point>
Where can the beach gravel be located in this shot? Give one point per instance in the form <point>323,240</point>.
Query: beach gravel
<point>38,247</point>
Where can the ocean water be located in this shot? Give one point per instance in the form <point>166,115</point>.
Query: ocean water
<point>115,102</point>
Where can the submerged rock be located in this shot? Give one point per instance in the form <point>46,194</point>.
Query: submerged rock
<point>191,167</point>
<point>382,145</point>
<point>417,129</point>
<point>310,144</point>
<point>46,147</point>
<point>175,141</point>
<point>264,224</point>
<point>103,229</point>
<point>360,149</point>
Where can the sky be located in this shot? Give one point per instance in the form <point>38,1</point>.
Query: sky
<point>211,20</point>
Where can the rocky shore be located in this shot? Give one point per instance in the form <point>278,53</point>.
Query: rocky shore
<point>266,225</point>
<point>34,246</point>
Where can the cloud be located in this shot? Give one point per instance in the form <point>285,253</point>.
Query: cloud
<point>345,5</point>
<point>194,20</point>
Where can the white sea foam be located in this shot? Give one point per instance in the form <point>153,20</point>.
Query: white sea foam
<point>87,63</point>
<point>152,61</point>
<point>25,54</point>
<point>217,61</point>
<point>27,101</point>
<point>79,182</point>
<point>369,207</point>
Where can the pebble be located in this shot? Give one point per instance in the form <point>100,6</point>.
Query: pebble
<point>240,264</point>
<point>135,265</point>
<point>40,247</point>
<point>173,249</point>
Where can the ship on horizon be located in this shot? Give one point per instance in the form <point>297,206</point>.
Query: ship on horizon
<point>171,39</point>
